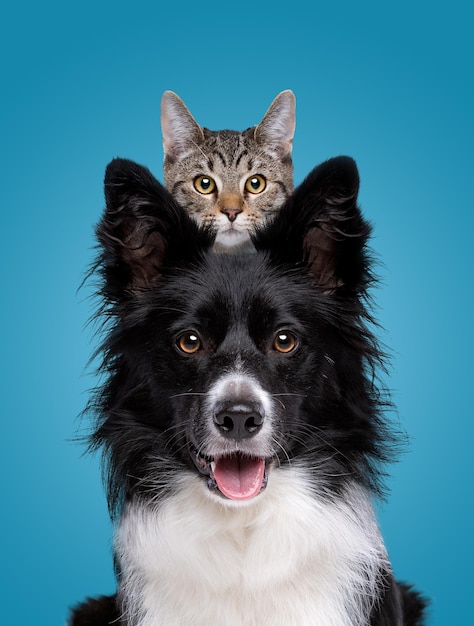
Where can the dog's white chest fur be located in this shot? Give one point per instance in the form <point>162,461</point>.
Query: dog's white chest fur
<point>285,558</point>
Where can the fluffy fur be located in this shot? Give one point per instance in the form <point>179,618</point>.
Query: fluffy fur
<point>240,421</point>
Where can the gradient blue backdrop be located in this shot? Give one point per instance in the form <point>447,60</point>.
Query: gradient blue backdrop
<point>387,83</point>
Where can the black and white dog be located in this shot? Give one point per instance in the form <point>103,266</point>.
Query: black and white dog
<point>240,421</point>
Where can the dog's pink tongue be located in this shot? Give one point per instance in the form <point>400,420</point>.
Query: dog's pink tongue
<point>239,477</point>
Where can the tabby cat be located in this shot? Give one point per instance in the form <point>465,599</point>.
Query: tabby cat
<point>231,181</point>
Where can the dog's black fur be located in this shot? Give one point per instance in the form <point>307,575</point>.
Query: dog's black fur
<point>311,272</point>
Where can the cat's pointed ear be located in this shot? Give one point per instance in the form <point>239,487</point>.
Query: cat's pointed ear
<point>141,231</point>
<point>180,130</point>
<point>322,227</point>
<point>277,128</point>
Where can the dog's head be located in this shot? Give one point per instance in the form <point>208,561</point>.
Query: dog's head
<point>234,365</point>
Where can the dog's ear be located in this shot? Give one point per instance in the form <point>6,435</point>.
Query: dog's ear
<point>142,230</point>
<point>321,227</point>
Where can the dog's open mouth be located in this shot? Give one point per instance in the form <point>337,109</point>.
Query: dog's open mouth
<point>236,476</point>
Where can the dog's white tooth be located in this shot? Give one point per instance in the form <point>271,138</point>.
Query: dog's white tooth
<point>213,466</point>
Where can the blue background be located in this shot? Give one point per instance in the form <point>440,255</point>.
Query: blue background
<point>387,83</point>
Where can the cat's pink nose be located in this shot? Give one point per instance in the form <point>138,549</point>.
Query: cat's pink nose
<point>231,213</point>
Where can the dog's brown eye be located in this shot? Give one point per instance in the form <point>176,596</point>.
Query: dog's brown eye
<point>255,184</point>
<point>204,184</point>
<point>284,341</point>
<point>189,342</point>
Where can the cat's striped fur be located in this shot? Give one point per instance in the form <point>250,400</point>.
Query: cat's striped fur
<point>232,181</point>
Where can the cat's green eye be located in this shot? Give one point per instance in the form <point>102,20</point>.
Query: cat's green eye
<point>255,184</point>
<point>204,184</point>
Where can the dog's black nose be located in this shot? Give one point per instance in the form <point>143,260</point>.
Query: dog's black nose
<point>238,420</point>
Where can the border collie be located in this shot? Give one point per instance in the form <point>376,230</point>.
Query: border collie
<point>240,420</point>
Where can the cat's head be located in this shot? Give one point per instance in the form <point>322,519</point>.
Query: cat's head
<point>229,180</point>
